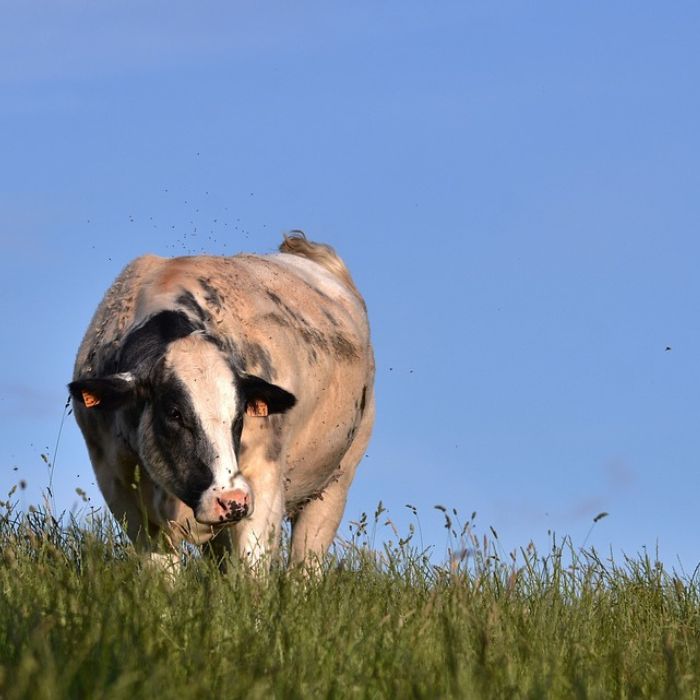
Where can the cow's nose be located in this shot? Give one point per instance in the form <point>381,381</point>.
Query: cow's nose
<point>233,505</point>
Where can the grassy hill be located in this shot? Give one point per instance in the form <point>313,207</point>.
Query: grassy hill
<point>82,616</point>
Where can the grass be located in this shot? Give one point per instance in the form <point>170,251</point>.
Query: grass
<point>81,616</point>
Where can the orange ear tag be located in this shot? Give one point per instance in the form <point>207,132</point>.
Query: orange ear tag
<point>257,407</point>
<point>89,399</point>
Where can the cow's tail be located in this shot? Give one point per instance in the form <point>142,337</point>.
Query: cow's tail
<point>296,243</point>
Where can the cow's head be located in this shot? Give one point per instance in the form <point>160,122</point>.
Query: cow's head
<point>184,401</point>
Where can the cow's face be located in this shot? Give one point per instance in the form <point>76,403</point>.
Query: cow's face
<point>190,407</point>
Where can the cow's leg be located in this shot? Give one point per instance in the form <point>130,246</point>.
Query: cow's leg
<point>129,509</point>
<point>256,538</point>
<point>315,526</point>
<point>131,505</point>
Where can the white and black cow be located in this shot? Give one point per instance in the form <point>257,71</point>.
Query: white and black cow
<point>218,394</point>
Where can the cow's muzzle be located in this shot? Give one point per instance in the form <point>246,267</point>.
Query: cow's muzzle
<point>225,507</point>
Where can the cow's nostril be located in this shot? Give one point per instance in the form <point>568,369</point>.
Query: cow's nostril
<point>233,505</point>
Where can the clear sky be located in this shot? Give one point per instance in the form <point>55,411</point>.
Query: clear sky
<point>515,187</point>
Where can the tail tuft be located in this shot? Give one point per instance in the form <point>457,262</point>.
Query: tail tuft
<point>296,243</point>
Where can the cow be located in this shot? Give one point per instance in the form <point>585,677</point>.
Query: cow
<point>219,395</point>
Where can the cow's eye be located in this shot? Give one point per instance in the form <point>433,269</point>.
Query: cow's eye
<point>174,414</point>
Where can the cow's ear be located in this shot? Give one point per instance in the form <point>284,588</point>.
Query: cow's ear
<point>104,393</point>
<point>263,398</point>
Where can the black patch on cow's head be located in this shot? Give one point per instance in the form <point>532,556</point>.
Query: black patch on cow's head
<point>139,352</point>
<point>363,400</point>
<point>103,393</point>
<point>278,400</point>
<point>148,342</point>
<point>178,435</point>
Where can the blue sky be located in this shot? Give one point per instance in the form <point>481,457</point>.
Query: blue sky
<point>513,185</point>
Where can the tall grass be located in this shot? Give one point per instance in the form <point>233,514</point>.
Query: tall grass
<point>82,616</point>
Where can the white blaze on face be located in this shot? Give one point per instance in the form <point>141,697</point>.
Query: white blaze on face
<point>210,383</point>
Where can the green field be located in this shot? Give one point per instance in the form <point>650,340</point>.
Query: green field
<point>81,616</point>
